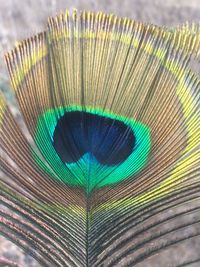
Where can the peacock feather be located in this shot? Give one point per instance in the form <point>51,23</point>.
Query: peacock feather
<point>112,109</point>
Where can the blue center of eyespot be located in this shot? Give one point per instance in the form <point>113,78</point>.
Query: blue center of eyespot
<point>78,132</point>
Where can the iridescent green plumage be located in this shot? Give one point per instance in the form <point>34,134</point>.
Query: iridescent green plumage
<point>112,107</point>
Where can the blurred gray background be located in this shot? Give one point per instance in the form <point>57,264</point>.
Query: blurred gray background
<point>22,18</point>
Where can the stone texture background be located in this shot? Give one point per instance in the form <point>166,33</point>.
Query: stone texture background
<point>21,19</point>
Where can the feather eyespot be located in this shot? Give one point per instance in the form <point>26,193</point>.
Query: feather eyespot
<point>96,147</point>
